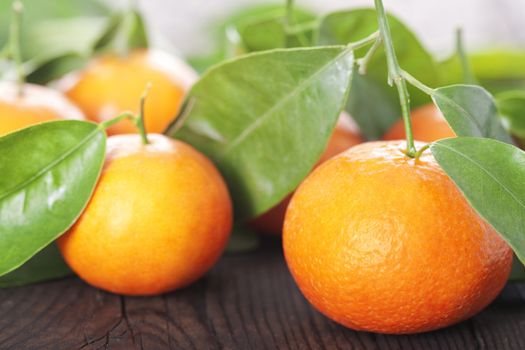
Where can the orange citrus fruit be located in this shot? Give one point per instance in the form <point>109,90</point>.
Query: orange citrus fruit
<point>380,242</point>
<point>159,218</point>
<point>346,135</point>
<point>36,104</point>
<point>111,84</point>
<point>428,125</point>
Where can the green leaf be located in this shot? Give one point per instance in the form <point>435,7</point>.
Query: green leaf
<point>49,70</point>
<point>124,32</point>
<point>48,172</point>
<point>269,32</point>
<point>45,265</point>
<point>375,106</point>
<point>511,106</point>
<point>470,111</point>
<point>250,21</point>
<point>38,11</point>
<point>490,174</point>
<point>265,119</point>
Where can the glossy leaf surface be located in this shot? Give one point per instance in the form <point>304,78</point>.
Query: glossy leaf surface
<point>48,174</point>
<point>265,119</point>
<point>490,174</point>
<point>470,111</point>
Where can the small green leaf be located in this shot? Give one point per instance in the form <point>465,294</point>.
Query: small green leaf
<point>471,111</point>
<point>124,32</point>
<point>375,106</point>
<point>511,106</point>
<point>48,172</point>
<point>490,174</point>
<point>265,119</point>
<point>45,265</point>
<point>44,71</point>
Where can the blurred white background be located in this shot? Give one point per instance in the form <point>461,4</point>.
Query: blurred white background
<point>498,23</point>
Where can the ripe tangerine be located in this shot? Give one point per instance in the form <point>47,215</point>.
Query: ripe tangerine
<point>159,218</point>
<point>111,84</point>
<point>35,104</point>
<point>428,125</point>
<point>380,242</point>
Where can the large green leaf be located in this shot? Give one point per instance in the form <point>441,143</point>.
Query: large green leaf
<point>490,174</point>
<point>471,111</point>
<point>46,265</point>
<point>376,105</point>
<point>266,118</point>
<point>48,174</point>
<point>511,106</point>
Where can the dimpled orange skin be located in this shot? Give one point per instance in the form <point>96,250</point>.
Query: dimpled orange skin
<point>380,243</point>
<point>428,125</point>
<point>159,219</point>
<point>346,135</point>
<point>112,84</point>
<point>37,104</point>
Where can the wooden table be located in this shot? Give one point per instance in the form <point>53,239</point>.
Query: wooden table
<point>248,301</point>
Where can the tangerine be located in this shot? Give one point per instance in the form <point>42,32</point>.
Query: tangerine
<point>160,217</point>
<point>380,242</point>
<point>428,125</point>
<point>32,105</point>
<point>111,84</point>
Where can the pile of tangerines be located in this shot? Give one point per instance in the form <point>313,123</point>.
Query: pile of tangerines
<point>375,240</point>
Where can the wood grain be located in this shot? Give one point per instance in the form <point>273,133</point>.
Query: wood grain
<point>247,301</point>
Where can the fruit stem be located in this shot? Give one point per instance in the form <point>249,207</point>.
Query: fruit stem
<point>14,45</point>
<point>395,75</point>
<point>139,121</point>
<point>363,62</point>
<point>468,75</point>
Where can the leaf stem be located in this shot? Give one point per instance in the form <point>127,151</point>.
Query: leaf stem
<point>14,45</point>
<point>364,42</point>
<point>140,120</point>
<point>108,123</point>
<point>416,83</point>
<point>363,62</point>
<point>395,75</point>
<point>468,75</point>
<point>420,152</point>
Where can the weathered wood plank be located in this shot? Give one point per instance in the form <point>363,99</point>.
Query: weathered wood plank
<point>246,302</point>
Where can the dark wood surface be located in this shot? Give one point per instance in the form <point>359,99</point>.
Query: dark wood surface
<point>247,301</point>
